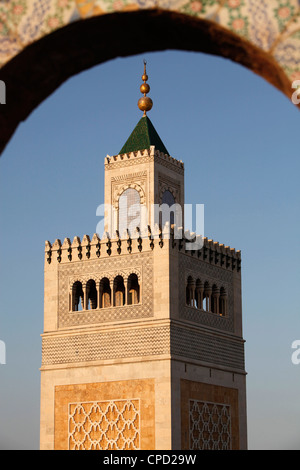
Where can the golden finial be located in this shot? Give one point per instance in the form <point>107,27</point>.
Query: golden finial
<point>145,103</point>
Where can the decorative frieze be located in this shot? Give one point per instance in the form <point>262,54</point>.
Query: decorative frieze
<point>209,347</point>
<point>115,344</point>
<point>174,339</point>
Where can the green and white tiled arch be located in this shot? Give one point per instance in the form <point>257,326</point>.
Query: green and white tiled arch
<point>270,25</point>
<point>45,42</point>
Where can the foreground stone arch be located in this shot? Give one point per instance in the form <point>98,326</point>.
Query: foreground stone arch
<point>43,43</point>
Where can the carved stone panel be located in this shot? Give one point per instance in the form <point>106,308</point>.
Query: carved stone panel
<point>114,415</point>
<point>104,425</point>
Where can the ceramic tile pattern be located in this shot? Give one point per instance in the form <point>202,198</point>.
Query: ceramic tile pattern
<point>271,25</point>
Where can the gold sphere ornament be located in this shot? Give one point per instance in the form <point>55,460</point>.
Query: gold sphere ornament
<point>145,103</point>
<point>144,88</point>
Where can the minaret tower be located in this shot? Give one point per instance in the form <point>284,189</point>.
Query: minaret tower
<point>142,342</point>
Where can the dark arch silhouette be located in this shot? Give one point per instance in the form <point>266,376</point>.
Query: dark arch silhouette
<point>43,66</point>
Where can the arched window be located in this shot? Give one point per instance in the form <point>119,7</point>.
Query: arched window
<point>189,296</point>
<point>223,302</point>
<point>167,216</point>
<point>105,293</point>
<point>215,299</point>
<point>129,211</point>
<point>91,293</point>
<point>199,294</point>
<point>133,290</point>
<point>77,297</point>
<point>206,297</point>
<point>119,291</point>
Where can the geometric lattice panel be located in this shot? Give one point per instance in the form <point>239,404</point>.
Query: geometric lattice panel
<point>104,425</point>
<point>210,426</point>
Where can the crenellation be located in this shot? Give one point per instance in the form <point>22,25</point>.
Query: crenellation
<point>95,246</point>
<point>87,248</point>
<point>145,153</point>
<point>116,244</point>
<point>211,251</point>
<point>66,250</point>
<point>76,249</point>
<point>57,248</point>
<point>48,252</point>
<point>168,158</point>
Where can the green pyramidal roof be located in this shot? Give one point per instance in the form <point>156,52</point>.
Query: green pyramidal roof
<point>142,137</point>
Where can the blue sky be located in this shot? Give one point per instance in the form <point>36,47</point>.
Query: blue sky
<point>239,139</point>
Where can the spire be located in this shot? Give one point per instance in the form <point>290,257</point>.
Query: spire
<point>143,137</point>
<point>144,134</point>
<point>145,103</point>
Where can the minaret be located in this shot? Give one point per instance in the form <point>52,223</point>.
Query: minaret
<point>142,345</point>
